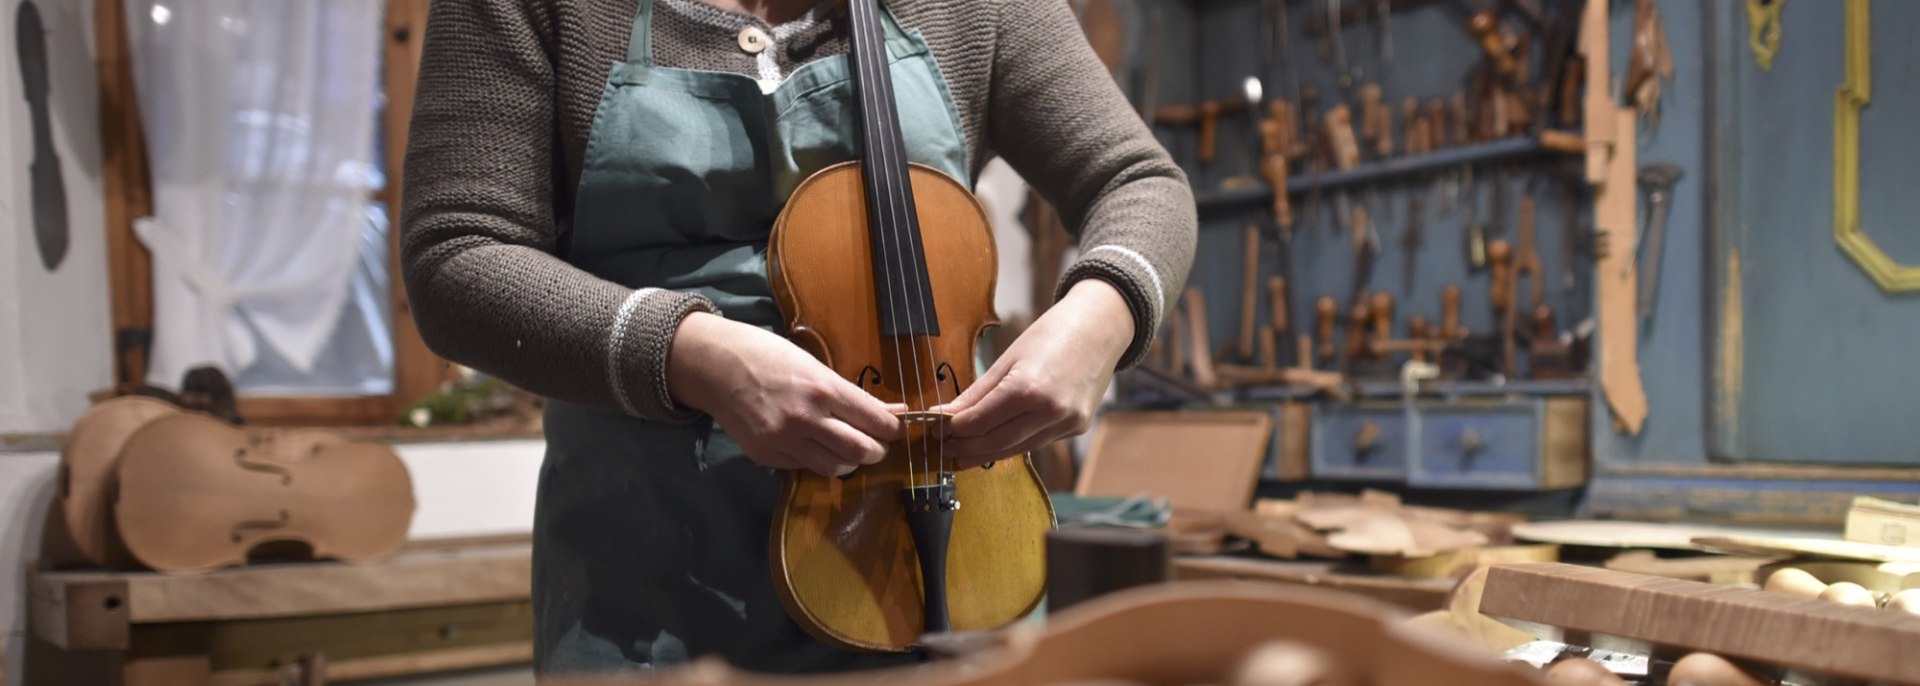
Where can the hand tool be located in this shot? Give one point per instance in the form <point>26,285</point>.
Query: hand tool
<point>1763,22</point>
<point>1346,74</point>
<point>1356,350</point>
<point>1657,181</point>
<point>1249,293</point>
<point>1457,119</point>
<point>1324,310</point>
<point>1417,330</point>
<point>1202,348</point>
<point>1573,82</point>
<point>1476,233</point>
<point>1410,242</point>
<point>1345,151</point>
<point>1437,129</point>
<point>1370,113</point>
<point>1267,342</point>
<point>1206,115</point>
<point>1562,142</point>
<point>1486,31</point>
<point>1450,327</point>
<point>1276,140</point>
<point>1366,245</point>
<point>1527,258</point>
<point>1277,304</point>
<point>1383,145</point>
<point>1558,48</point>
<point>1380,307</point>
<point>1650,63</point>
<point>1383,10</point>
<point>1569,237</point>
<point>1500,257</point>
<point>1412,138</point>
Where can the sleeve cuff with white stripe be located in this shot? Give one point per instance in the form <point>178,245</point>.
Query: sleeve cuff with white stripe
<point>1136,279</point>
<point>637,350</point>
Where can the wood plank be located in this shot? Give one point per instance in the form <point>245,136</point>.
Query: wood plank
<point>1774,628</point>
<point>1713,569</point>
<point>1296,420</point>
<point>1616,213</point>
<point>170,670</point>
<point>126,187</point>
<point>426,662</point>
<point>87,614</point>
<point>1607,533</point>
<point>1564,456</point>
<point>1808,546</point>
<point>1198,460</point>
<point>1417,595</point>
<point>1454,564</point>
<point>273,644</point>
<point>418,578</point>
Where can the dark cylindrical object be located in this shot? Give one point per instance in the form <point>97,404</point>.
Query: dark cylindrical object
<point>1084,562</point>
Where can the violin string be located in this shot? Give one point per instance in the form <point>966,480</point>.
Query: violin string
<point>929,441</point>
<point>891,255</point>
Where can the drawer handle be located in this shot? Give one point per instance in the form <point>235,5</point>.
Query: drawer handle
<point>1471,442</point>
<point>1367,439</point>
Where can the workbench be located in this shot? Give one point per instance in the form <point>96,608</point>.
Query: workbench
<point>430,608</point>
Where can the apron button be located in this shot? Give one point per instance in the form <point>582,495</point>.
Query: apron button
<point>753,40</point>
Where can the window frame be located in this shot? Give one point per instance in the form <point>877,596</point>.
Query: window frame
<point>128,194</point>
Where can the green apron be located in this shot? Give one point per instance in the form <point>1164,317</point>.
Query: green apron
<point>650,538</point>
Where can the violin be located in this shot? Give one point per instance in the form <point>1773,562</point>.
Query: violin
<point>197,494</point>
<point>884,271</point>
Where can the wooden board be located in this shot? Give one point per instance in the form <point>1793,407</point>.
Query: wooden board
<point>1453,564</point>
<point>1197,460</point>
<point>1623,534</point>
<point>1808,546</point>
<point>1872,520</point>
<point>1417,595</point>
<point>1616,213</point>
<point>73,609</point>
<point>1714,569</point>
<point>1774,628</point>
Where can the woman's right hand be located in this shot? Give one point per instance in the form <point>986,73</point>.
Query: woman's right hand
<point>785,408</point>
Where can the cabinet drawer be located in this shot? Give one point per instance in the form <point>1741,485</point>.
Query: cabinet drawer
<point>1477,445</point>
<point>1360,442</point>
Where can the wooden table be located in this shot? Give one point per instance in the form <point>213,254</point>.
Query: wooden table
<point>427,609</point>
<point>1417,595</point>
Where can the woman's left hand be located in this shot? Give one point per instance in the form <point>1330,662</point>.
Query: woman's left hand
<point>1049,382</point>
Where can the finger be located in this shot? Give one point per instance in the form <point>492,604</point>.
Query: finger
<point>1003,402</point>
<point>980,389</point>
<point>817,458</point>
<point>1037,441</point>
<point>1002,439</point>
<point>848,443</point>
<point>865,413</point>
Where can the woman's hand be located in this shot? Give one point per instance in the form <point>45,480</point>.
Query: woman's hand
<point>785,408</point>
<point>1049,382</point>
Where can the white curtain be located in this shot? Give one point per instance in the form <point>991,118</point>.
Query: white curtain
<point>259,120</point>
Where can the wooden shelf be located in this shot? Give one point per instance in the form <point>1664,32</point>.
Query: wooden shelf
<point>1518,147</point>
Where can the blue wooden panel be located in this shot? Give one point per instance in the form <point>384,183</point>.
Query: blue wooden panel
<point>1816,360</point>
<point>1477,444</point>
<point>1334,454</point>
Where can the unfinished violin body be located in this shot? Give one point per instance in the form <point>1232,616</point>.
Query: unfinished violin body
<point>197,494</point>
<point>89,462</point>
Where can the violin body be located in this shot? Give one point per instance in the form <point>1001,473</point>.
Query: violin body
<point>843,552</point>
<point>196,494</point>
<point>89,462</point>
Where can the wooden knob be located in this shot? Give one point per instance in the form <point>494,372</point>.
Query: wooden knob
<point>1367,438</point>
<point>1471,441</point>
<point>1543,325</point>
<point>1324,310</point>
<point>1381,307</point>
<point>1486,29</point>
<point>1500,258</point>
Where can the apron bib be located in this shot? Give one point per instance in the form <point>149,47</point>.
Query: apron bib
<point>650,539</point>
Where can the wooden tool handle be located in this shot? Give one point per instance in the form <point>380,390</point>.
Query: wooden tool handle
<point>1269,343</point>
<point>1357,331</point>
<point>1381,307</point>
<point>1338,129</point>
<point>1529,258</point>
<point>1360,229</point>
<point>1543,325</point>
<point>1413,127</point>
<point>1276,140</point>
<point>1249,292</point>
<point>1177,115</point>
<point>1573,82</point>
<point>1383,146</point>
<point>1563,142</point>
<point>1486,30</point>
<point>1277,303</point>
<point>1417,330</point>
<point>1209,119</point>
<point>1450,312</point>
<point>1438,131</point>
<point>1202,348</point>
<point>1457,120</point>
<point>1519,109</point>
<point>1500,259</point>
<point>1324,311</point>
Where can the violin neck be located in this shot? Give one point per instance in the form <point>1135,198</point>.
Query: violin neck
<point>905,297</point>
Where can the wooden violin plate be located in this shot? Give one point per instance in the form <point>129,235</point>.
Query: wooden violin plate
<point>197,494</point>
<point>89,481</point>
<point>1207,461</point>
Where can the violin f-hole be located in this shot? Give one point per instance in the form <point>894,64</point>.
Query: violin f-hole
<point>944,373</point>
<point>240,458</point>
<point>239,530</point>
<point>868,377</point>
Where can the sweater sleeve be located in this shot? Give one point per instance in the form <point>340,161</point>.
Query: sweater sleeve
<point>1057,117</point>
<point>479,231</point>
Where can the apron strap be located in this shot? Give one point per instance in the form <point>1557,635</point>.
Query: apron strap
<point>640,37</point>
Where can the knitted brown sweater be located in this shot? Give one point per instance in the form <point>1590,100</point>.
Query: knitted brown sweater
<point>506,98</point>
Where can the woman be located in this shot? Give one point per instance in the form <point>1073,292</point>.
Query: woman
<point>589,188</point>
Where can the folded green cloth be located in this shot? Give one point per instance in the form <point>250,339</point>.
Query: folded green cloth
<point>1140,511</point>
